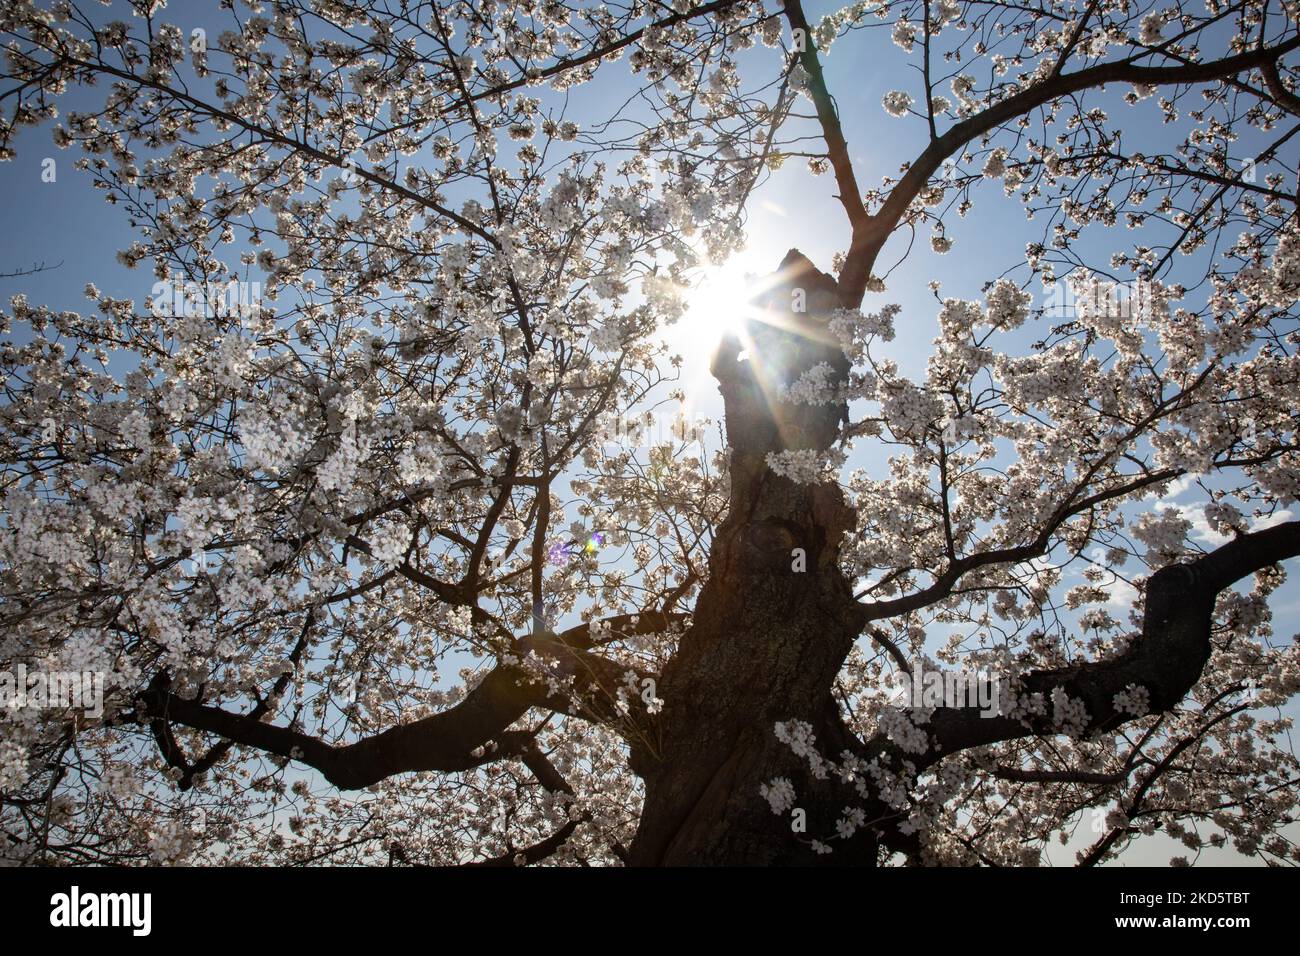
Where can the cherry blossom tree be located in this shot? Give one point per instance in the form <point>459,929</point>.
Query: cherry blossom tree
<point>373,576</point>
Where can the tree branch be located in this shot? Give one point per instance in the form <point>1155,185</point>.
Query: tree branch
<point>1166,659</point>
<point>870,237</point>
<point>460,738</point>
<point>837,148</point>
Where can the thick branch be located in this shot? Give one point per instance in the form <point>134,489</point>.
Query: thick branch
<point>533,854</point>
<point>1284,97</point>
<point>1166,659</point>
<point>836,147</point>
<point>869,238</point>
<point>1088,777</point>
<point>463,737</point>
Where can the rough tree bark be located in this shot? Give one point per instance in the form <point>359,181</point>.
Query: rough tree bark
<point>772,625</point>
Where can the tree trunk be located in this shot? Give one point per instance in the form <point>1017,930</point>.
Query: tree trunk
<point>772,625</point>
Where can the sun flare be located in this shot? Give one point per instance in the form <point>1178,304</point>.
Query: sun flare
<point>719,303</point>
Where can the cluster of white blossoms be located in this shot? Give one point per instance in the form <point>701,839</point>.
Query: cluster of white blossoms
<point>897,102</point>
<point>947,11</point>
<point>1068,714</point>
<point>13,765</point>
<point>1007,305</point>
<point>169,842</point>
<point>1224,518</point>
<point>904,34</point>
<point>961,85</point>
<point>897,724</point>
<point>338,471</point>
<point>1286,262</point>
<point>854,330</point>
<point>799,737</point>
<point>873,777</point>
<point>390,541</point>
<point>1164,532</point>
<point>864,777</point>
<point>815,386</point>
<point>779,794</point>
<point>908,408</point>
<point>1133,699</point>
<point>1150,28</point>
<point>853,819</point>
<point>995,166</point>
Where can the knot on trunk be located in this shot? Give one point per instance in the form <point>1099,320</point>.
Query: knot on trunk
<point>769,544</point>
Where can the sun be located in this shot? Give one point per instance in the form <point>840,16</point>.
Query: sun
<point>718,304</point>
